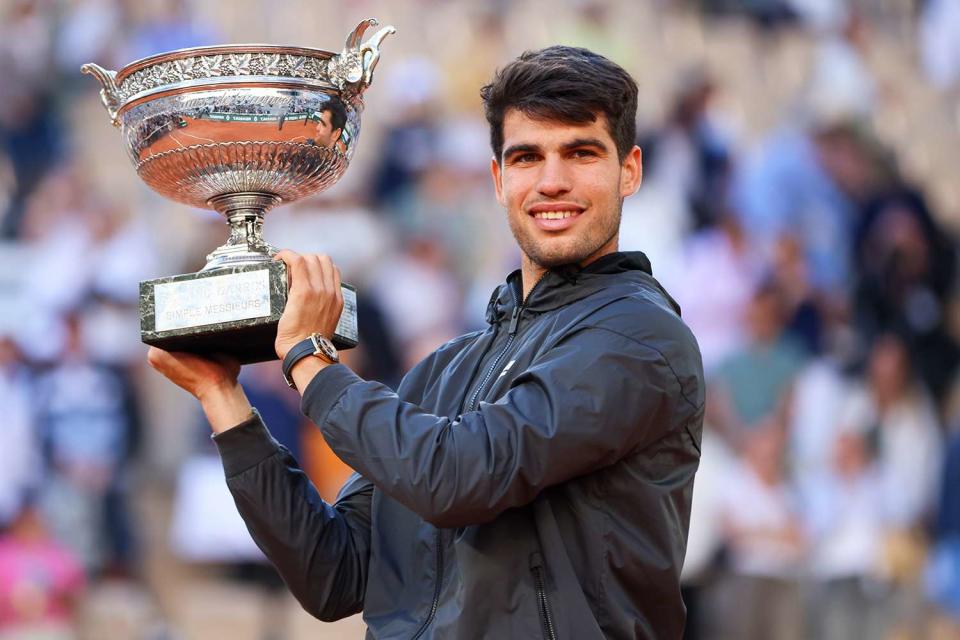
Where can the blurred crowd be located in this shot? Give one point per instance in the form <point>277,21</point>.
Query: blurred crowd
<point>798,201</point>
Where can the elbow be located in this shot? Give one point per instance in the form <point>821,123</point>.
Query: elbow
<point>333,616</point>
<point>329,611</point>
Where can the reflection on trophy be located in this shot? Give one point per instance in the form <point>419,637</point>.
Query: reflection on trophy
<point>239,129</point>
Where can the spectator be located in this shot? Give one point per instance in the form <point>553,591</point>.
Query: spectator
<point>20,462</point>
<point>88,422</point>
<point>760,514</point>
<point>40,581</point>
<point>805,313</point>
<point>943,572</point>
<point>784,188</point>
<point>939,42</point>
<point>906,274</point>
<point>894,414</point>
<point>167,25</point>
<point>714,281</point>
<point>411,138</point>
<point>751,387</point>
<point>844,517</point>
<point>31,134</point>
<point>691,153</point>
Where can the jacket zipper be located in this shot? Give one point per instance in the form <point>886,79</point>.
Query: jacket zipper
<point>436,590</point>
<point>514,320</point>
<point>546,620</point>
<point>518,308</point>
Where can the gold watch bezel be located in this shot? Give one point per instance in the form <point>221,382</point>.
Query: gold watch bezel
<point>324,348</point>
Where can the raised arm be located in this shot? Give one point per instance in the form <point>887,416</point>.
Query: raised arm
<point>321,550</point>
<point>592,400</point>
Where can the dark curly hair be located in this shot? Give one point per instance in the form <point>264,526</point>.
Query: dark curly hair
<point>566,84</point>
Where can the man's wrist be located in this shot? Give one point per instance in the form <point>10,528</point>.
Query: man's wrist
<point>225,406</point>
<point>283,349</point>
<point>305,370</point>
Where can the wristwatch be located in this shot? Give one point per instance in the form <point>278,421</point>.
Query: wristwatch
<point>313,345</point>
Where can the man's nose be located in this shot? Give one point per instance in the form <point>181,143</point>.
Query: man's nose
<point>554,179</point>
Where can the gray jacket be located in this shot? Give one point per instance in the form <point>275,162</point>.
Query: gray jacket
<point>529,480</point>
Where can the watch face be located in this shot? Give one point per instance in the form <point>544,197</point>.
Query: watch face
<point>325,348</point>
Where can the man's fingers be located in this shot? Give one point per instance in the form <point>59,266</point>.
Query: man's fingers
<point>337,282</point>
<point>326,265</point>
<point>315,269</point>
<point>296,268</point>
<point>156,357</point>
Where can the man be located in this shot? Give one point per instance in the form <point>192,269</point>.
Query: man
<point>329,125</point>
<point>532,479</point>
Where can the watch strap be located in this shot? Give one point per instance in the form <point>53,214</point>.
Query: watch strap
<point>297,352</point>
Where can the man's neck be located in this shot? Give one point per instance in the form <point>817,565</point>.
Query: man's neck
<point>532,272</point>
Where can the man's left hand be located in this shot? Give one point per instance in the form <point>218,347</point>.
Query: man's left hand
<point>314,299</point>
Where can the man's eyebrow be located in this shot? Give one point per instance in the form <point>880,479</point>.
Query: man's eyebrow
<point>518,148</point>
<point>585,142</point>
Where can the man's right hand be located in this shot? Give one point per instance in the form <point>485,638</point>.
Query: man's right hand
<point>212,382</point>
<point>195,374</point>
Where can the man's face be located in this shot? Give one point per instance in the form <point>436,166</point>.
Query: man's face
<point>326,135</point>
<point>563,186</point>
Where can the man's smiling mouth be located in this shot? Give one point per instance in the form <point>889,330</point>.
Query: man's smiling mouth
<point>555,215</point>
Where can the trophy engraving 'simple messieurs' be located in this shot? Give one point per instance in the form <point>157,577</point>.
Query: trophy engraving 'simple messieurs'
<point>242,128</point>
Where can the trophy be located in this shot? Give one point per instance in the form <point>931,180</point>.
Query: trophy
<point>239,129</point>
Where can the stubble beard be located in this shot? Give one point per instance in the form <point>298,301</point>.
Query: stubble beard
<point>549,256</point>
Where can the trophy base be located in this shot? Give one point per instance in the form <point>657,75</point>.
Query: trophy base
<point>232,311</point>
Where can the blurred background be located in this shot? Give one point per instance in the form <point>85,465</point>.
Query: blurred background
<point>800,201</point>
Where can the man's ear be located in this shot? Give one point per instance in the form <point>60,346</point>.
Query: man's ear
<point>631,172</point>
<point>497,180</point>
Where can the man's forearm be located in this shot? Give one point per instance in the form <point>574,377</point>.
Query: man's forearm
<point>225,407</point>
<point>304,371</point>
<point>320,550</point>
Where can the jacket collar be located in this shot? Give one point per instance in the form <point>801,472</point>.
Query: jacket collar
<point>569,283</point>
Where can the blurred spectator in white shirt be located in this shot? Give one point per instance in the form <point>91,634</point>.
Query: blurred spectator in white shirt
<point>20,462</point>
<point>939,41</point>
<point>895,413</point>
<point>760,514</point>
<point>896,417</point>
<point>844,517</point>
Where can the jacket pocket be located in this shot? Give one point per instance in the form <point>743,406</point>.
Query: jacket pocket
<point>543,604</point>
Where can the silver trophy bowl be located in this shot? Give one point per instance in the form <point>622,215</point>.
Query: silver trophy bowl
<point>242,128</point>
<point>238,129</point>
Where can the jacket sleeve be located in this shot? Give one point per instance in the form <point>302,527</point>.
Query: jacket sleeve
<point>321,550</point>
<point>585,404</point>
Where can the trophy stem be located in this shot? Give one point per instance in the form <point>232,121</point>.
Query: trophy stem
<point>244,213</point>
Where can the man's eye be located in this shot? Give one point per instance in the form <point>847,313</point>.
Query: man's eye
<point>525,157</point>
<point>584,153</point>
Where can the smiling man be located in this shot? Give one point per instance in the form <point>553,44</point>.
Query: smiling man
<point>529,480</point>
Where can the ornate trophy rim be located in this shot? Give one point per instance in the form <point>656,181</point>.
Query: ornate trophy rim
<point>215,49</point>
<point>348,72</point>
<point>219,65</point>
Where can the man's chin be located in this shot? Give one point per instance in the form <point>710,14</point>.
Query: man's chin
<point>557,259</point>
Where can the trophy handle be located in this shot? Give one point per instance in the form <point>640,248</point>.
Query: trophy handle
<point>358,59</point>
<point>109,93</point>
<point>370,53</point>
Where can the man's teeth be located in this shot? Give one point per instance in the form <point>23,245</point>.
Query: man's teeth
<point>555,215</point>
